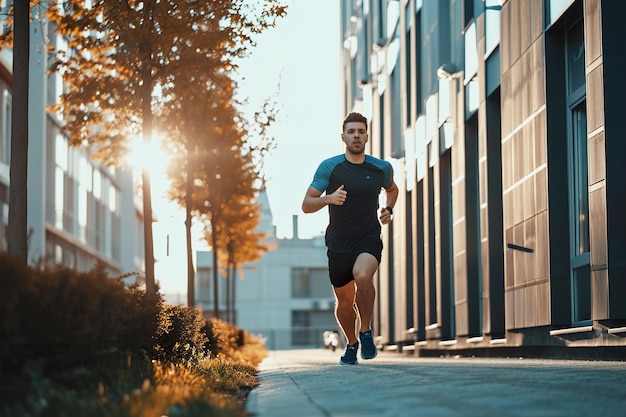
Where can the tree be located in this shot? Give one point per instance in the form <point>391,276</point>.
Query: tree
<point>229,199</point>
<point>208,168</point>
<point>241,245</point>
<point>200,124</point>
<point>229,204</point>
<point>215,170</point>
<point>127,53</point>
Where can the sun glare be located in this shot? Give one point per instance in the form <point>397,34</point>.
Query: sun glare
<point>148,155</point>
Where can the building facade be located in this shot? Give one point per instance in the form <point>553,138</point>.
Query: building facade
<point>79,212</point>
<point>286,297</point>
<point>503,121</point>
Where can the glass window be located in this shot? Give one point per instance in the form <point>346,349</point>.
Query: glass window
<point>5,5</point>
<point>420,146</point>
<point>408,53</point>
<point>393,17</point>
<point>82,213</point>
<point>409,152</point>
<point>472,97</point>
<point>113,198</point>
<point>58,254</point>
<point>203,280</point>
<point>444,100</point>
<point>116,237</point>
<point>395,117</point>
<point>393,55</point>
<point>492,25</point>
<point>301,333</point>
<point>97,184</point>
<point>6,127</point>
<point>99,226</point>
<point>60,152</point>
<point>432,158</point>
<point>68,205</point>
<point>310,283</point>
<point>575,58</point>
<point>581,293</point>
<point>85,173</point>
<point>471,52</point>
<point>431,117</point>
<point>416,58</point>
<point>556,7</point>
<point>108,234</point>
<point>468,11</point>
<point>300,285</point>
<point>580,189</point>
<point>446,136</point>
<point>59,190</point>
<point>580,247</point>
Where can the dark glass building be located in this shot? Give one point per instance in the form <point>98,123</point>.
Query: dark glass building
<point>505,125</point>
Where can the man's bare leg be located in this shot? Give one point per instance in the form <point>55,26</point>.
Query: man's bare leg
<point>344,310</point>
<point>364,269</point>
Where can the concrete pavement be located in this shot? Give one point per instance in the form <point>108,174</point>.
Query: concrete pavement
<point>310,383</point>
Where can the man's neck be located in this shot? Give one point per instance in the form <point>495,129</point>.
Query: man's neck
<point>355,158</point>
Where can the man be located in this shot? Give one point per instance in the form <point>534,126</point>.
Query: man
<point>352,183</point>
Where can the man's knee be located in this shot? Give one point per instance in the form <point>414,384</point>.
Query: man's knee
<point>344,304</point>
<point>363,277</point>
<point>364,269</point>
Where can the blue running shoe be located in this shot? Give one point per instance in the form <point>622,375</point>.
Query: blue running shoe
<point>349,358</point>
<point>368,348</point>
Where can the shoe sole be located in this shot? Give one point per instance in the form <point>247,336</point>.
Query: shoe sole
<point>364,356</point>
<point>348,363</point>
<point>368,357</point>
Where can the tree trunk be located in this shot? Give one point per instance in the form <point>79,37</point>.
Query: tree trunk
<point>228,294</point>
<point>147,198</point>
<point>191,293</point>
<point>233,295</point>
<point>17,233</point>
<point>216,305</point>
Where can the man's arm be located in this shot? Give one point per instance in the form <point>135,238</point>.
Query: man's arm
<point>314,200</point>
<point>392,196</point>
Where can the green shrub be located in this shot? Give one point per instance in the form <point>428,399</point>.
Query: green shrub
<point>15,280</point>
<point>182,338</point>
<point>83,343</point>
<point>222,338</point>
<point>60,313</point>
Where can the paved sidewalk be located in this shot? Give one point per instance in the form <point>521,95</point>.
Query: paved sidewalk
<point>310,383</point>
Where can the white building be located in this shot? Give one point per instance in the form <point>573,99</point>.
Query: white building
<point>286,296</point>
<point>79,213</point>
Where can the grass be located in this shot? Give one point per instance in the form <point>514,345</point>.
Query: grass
<point>214,386</point>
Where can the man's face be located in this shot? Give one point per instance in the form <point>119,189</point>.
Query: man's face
<point>355,137</point>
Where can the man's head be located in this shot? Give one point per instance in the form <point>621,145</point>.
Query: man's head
<point>354,133</point>
<point>354,117</point>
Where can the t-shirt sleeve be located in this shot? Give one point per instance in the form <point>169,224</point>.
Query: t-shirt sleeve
<point>322,176</point>
<point>388,175</point>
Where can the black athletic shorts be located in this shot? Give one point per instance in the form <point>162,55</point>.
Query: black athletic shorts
<point>340,264</point>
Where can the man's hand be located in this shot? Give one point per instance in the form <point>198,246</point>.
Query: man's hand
<point>338,197</point>
<point>385,216</point>
<point>314,201</point>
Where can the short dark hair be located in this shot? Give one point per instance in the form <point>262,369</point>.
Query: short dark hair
<point>354,117</point>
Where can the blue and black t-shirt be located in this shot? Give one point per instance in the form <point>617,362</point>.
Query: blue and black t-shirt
<point>357,219</point>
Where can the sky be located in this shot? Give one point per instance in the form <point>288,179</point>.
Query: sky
<point>296,63</point>
<point>298,60</point>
